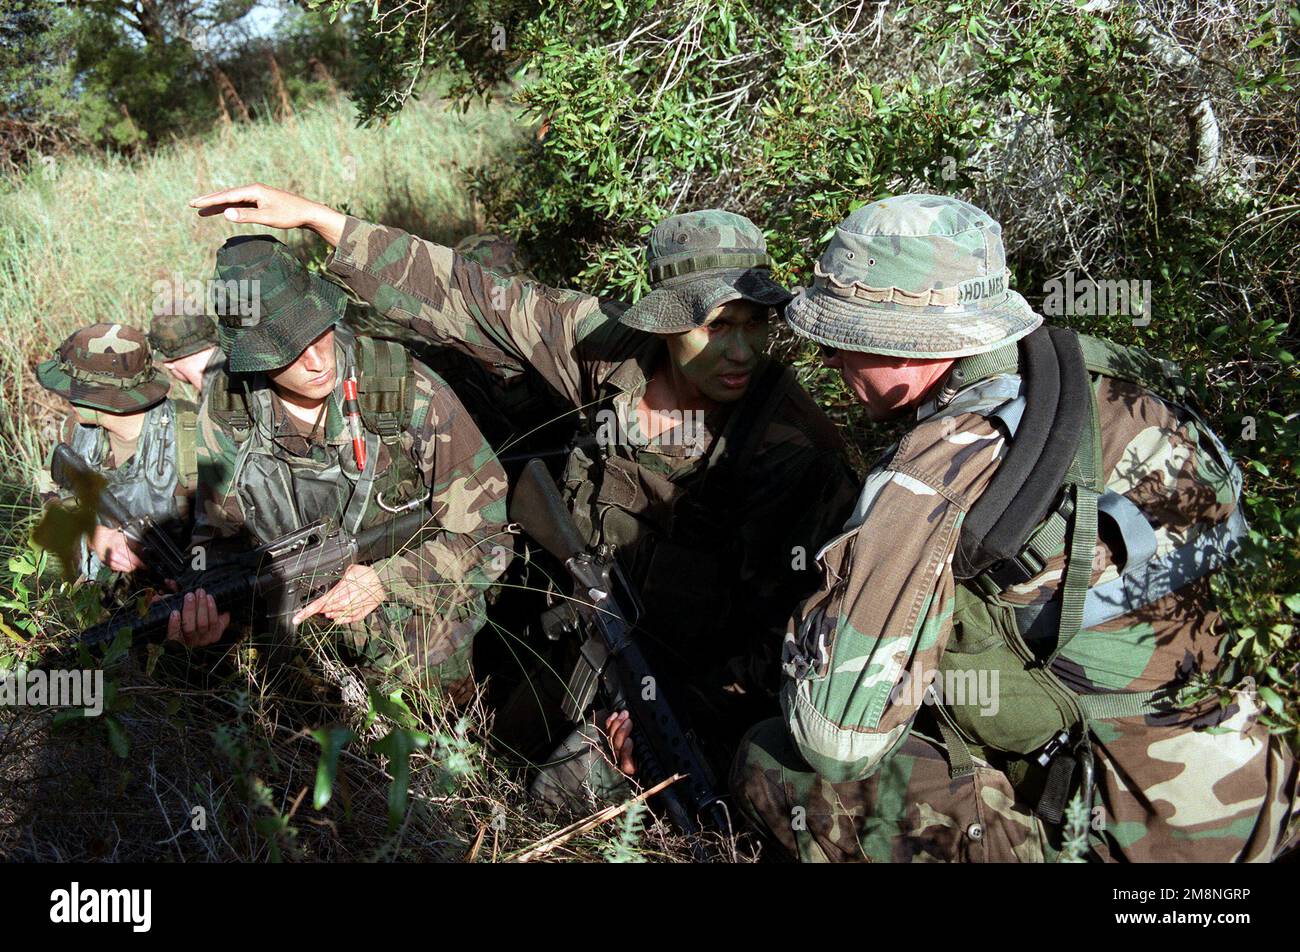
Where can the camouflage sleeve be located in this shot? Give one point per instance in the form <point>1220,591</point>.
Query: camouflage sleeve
<point>506,323</point>
<point>218,517</point>
<point>468,498</point>
<point>884,613</point>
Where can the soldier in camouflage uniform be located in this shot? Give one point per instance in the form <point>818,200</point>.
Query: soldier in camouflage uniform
<point>910,303</point>
<point>186,346</point>
<point>123,424</point>
<point>707,465</point>
<point>276,452</point>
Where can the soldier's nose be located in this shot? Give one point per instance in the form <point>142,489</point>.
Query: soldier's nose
<point>739,351</point>
<point>313,360</point>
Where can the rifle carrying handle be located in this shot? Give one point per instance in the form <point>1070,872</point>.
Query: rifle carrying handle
<point>537,507</point>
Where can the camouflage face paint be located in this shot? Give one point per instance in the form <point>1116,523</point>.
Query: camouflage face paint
<point>719,358</point>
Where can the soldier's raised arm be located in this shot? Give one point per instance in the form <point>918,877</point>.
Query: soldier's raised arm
<point>505,322</point>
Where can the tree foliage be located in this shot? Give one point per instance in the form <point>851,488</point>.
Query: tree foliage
<point>127,75</point>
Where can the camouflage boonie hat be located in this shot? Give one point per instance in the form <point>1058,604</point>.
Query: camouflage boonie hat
<point>913,276</point>
<point>175,336</point>
<point>697,261</point>
<point>269,306</point>
<point>494,252</point>
<point>105,367</point>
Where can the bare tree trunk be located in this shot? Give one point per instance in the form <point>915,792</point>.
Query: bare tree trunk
<point>282,94</point>
<point>221,104</point>
<point>323,76</point>
<point>226,88</point>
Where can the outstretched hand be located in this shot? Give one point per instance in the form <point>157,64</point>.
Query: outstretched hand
<point>259,204</point>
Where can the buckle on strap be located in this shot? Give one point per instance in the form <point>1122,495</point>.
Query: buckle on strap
<point>1045,541</point>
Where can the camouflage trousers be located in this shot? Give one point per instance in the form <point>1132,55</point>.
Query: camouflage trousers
<point>907,811</point>
<point>1231,797</point>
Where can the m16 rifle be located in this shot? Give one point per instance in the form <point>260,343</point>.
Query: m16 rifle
<point>612,665</point>
<point>283,575</point>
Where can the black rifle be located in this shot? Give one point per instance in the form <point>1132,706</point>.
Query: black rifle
<point>612,663</point>
<point>284,574</point>
<point>73,473</point>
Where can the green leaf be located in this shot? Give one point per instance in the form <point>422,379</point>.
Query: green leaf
<point>397,746</point>
<point>118,741</point>
<point>332,742</point>
<point>118,649</point>
<point>1271,698</point>
<point>155,651</point>
<point>20,565</point>
<point>392,707</point>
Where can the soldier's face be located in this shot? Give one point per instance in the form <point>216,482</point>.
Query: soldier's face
<point>311,377</point>
<point>886,386</point>
<point>719,357</point>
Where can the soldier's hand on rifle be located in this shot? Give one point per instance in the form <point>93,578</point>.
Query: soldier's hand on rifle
<point>112,547</point>
<point>619,728</point>
<point>258,204</point>
<point>355,596</point>
<point>198,623</point>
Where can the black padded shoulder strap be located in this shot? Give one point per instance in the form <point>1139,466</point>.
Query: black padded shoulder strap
<point>1029,480</point>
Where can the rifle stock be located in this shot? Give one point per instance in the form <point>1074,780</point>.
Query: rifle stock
<point>537,507</point>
